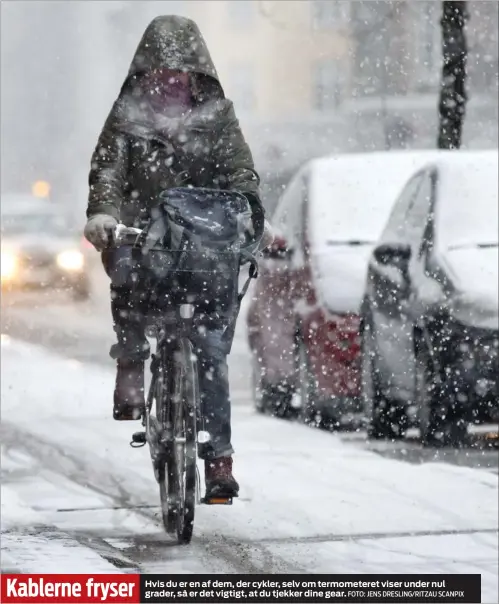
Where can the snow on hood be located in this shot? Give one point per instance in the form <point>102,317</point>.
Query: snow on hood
<point>174,42</point>
<point>340,276</point>
<point>476,274</point>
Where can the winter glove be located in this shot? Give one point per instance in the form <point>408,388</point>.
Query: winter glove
<point>98,229</point>
<point>267,238</point>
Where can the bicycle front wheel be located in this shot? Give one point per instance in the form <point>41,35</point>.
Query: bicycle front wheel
<point>185,407</point>
<point>164,465</point>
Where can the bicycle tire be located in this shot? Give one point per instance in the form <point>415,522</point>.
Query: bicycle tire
<point>164,467</point>
<point>184,420</point>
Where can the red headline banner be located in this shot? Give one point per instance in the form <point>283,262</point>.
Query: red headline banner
<point>252,589</point>
<point>16,589</point>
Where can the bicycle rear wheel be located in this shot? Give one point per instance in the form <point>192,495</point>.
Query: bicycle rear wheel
<point>185,406</point>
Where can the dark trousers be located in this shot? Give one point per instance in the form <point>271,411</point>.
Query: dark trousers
<point>129,310</point>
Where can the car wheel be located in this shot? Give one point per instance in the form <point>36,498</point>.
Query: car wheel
<point>307,390</point>
<point>386,420</point>
<point>438,425</point>
<point>257,387</point>
<point>275,400</point>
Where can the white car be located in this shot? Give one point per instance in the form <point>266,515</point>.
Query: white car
<point>430,314</point>
<point>39,250</point>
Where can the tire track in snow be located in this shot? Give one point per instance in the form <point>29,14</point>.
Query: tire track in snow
<point>31,545</point>
<point>241,556</point>
<point>112,554</point>
<point>377,535</point>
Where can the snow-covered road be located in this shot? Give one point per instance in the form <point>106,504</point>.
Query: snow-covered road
<point>75,496</point>
<point>310,502</point>
<point>83,332</point>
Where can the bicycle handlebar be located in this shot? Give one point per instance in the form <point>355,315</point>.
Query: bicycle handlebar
<point>123,235</point>
<point>121,232</point>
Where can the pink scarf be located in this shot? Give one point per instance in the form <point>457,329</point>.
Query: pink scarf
<point>168,92</point>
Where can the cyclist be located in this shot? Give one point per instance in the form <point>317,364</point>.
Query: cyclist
<point>171,126</point>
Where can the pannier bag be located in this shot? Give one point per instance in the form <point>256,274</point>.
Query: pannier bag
<point>194,244</point>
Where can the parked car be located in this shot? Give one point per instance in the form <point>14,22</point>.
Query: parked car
<point>304,318</point>
<point>430,326</point>
<point>39,249</point>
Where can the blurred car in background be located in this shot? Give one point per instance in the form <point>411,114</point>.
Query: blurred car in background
<point>430,326</point>
<point>39,250</point>
<point>304,318</point>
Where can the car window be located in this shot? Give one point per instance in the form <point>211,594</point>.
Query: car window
<point>299,222</point>
<point>280,216</point>
<point>419,213</point>
<point>288,219</point>
<point>304,210</point>
<point>396,228</point>
<point>280,213</point>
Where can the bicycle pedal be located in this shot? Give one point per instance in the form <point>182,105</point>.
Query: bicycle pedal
<point>138,440</point>
<point>217,500</point>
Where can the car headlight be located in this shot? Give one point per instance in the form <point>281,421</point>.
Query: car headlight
<point>70,260</point>
<point>8,265</point>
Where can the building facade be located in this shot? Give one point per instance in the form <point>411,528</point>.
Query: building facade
<point>279,58</point>
<point>307,77</point>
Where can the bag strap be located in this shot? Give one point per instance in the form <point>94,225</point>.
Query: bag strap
<point>228,334</point>
<point>252,273</point>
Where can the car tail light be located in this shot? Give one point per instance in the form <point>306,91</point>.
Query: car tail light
<point>85,244</point>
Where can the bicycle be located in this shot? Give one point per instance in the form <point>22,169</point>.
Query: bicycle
<point>172,432</point>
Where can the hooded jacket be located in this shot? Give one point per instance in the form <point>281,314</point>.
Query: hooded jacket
<point>141,153</point>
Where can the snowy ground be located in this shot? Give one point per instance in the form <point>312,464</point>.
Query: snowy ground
<point>76,497</point>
